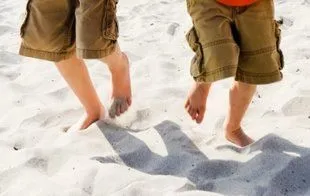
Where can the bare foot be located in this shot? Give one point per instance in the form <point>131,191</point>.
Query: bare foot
<point>238,137</point>
<point>121,95</point>
<point>90,118</point>
<point>196,101</point>
<point>87,120</point>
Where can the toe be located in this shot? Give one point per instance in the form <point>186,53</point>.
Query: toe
<point>124,107</point>
<point>188,109</point>
<point>200,116</point>
<point>193,113</point>
<point>112,112</point>
<point>187,103</point>
<point>129,101</point>
<point>113,108</point>
<point>118,109</point>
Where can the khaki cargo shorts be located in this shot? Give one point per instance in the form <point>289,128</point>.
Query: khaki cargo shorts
<point>56,29</point>
<point>235,41</point>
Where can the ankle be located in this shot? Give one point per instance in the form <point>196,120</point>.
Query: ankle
<point>95,113</point>
<point>203,87</point>
<point>231,127</point>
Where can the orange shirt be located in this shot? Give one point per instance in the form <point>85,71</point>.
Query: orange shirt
<point>237,2</point>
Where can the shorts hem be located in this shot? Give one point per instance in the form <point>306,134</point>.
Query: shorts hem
<point>44,55</point>
<point>258,79</point>
<point>219,74</point>
<point>94,54</point>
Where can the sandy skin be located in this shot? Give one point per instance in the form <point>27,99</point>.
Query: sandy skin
<point>75,72</point>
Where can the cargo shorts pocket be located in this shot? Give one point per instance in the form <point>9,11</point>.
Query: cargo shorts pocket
<point>110,24</point>
<point>278,40</point>
<point>25,20</point>
<point>197,68</point>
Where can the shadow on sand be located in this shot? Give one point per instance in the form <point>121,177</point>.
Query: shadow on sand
<point>279,167</point>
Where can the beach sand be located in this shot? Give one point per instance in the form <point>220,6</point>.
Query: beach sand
<point>154,149</point>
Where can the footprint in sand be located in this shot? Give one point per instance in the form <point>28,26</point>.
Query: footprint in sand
<point>172,28</point>
<point>38,163</point>
<point>297,106</point>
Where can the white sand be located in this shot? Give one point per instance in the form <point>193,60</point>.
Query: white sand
<point>159,151</point>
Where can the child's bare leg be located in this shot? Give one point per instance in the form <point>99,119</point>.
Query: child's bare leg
<point>241,95</point>
<point>196,101</point>
<point>76,74</point>
<point>119,67</point>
